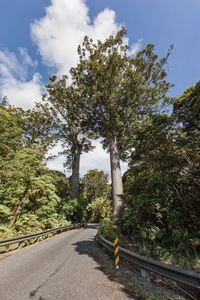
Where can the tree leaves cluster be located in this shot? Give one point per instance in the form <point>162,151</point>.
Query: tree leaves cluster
<point>96,191</point>
<point>109,96</point>
<point>32,197</point>
<point>61,101</point>
<point>162,186</point>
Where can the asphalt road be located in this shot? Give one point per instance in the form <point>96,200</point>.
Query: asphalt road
<point>65,267</point>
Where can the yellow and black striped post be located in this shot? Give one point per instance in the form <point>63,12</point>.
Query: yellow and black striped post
<point>116,256</point>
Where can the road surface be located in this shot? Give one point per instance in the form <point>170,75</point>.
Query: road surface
<point>64,267</point>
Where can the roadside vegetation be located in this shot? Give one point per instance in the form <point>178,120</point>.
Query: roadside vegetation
<point>155,206</point>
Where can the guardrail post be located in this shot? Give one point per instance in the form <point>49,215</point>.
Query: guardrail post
<point>116,252</point>
<point>21,244</point>
<point>145,274</point>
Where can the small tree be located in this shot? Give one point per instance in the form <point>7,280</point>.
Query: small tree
<point>97,192</point>
<point>95,184</point>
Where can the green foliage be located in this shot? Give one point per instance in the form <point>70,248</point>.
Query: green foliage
<point>61,183</point>
<point>109,229</point>
<point>95,184</point>
<point>116,92</point>
<point>117,97</point>
<point>99,209</point>
<point>32,198</point>
<point>161,211</point>
<point>61,102</point>
<point>72,209</point>
<point>10,132</point>
<point>96,191</point>
<point>5,212</point>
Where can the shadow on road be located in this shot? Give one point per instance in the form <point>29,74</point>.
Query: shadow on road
<point>85,247</point>
<point>89,247</point>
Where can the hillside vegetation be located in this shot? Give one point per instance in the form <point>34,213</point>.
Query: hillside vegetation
<point>155,206</point>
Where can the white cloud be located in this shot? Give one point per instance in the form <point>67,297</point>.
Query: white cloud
<point>135,47</point>
<point>13,79</point>
<point>96,159</point>
<point>26,58</point>
<point>57,163</point>
<point>63,28</point>
<point>57,36</point>
<point>10,66</point>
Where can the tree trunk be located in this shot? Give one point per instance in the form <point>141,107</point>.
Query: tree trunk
<point>75,175</point>
<point>117,187</point>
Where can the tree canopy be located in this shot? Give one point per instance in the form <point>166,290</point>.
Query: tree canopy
<point>116,92</point>
<point>62,103</point>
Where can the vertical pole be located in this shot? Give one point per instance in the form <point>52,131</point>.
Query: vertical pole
<point>116,253</point>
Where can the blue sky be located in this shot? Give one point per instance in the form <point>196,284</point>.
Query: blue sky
<point>162,22</point>
<point>38,38</point>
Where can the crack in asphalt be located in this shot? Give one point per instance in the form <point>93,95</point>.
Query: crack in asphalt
<point>34,292</point>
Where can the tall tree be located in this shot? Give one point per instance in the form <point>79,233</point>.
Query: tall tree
<point>117,91</point>
<point>62,101</point>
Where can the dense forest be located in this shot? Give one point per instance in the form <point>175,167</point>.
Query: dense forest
<point>155,206</point>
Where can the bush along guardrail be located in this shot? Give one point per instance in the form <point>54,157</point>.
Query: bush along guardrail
<point>188,278</point>
<point>35,236</point>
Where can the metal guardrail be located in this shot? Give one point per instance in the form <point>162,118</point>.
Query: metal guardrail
<point>189,278</point>
<point>27,237</point>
